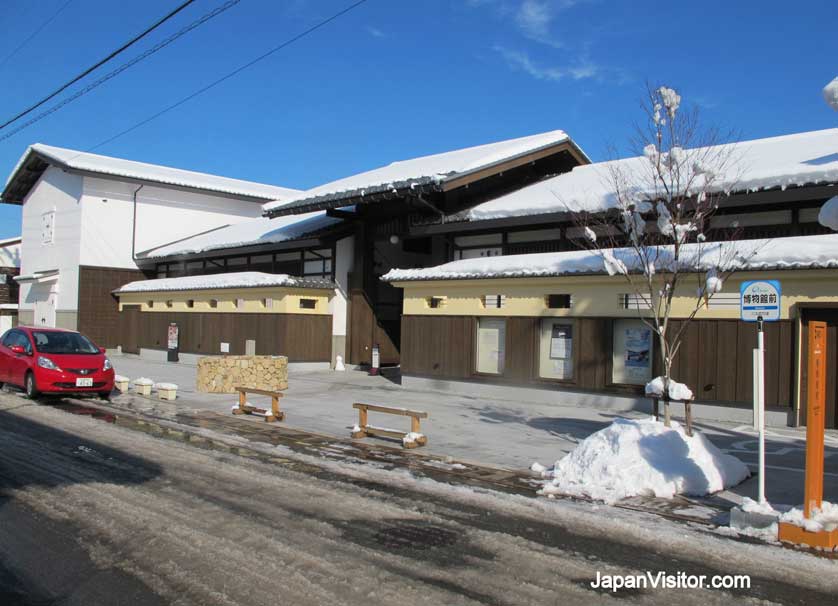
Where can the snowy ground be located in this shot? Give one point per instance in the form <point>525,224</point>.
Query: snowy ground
<point>202,527</point>
<point>506,434</point>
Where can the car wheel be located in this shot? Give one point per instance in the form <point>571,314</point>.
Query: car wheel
<point>30,387</point>
<point>105,395</point>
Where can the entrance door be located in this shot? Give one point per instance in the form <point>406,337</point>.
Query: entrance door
<point>366,331</point>
<point>45,309</point>
<point>830,316</point>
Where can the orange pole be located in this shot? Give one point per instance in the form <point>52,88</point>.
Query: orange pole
<point>815,421</point>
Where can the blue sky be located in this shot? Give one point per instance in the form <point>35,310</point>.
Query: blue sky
<point>394,80</point>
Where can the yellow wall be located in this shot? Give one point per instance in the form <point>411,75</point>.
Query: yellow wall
<point>285,300</point>
<point>599,295</point>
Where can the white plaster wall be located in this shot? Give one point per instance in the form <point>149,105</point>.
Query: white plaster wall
<point>163,215</point>
<point>344,253</point>
<point>59,191</point>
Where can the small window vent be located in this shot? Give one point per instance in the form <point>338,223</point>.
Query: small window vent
<point>559,301</point>
<point>634,301</point>
<point>494,301</point>
<point>436,302</point>
<point>308,303</point>
<point>213,303</point>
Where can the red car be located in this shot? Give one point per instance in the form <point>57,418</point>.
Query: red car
<point>54,361</point>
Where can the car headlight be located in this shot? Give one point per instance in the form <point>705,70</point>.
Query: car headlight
<point>47,363</point>
<point>107,365</point>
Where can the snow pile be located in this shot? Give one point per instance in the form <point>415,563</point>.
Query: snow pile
<point>677,391</point>
<point>412,437</point>
<point>823,519</point>
<point>799,252</point>
<point>339,365</point>
<point>830,94</point>
<point>750,506</point>
<point>121,379</point>
<point>165,386</point>
<point>828,215</point>
<point>643,457</point>
<point>356,428</point>
<point>242,279</point>
<point>143,381</point>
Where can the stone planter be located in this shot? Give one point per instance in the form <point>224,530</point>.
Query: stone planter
<point>167,391</point>
<point>142,386</point>
<point>121,383</point>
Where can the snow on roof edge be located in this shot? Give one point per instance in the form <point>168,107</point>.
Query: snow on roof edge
<point>244,279</point>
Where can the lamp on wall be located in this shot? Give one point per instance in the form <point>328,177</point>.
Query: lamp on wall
<point>394,239</point>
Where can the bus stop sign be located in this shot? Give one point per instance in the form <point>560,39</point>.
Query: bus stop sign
<point>760,300</point>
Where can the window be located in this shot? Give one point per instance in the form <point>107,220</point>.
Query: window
<point>267,303</point>
<point>169,303</point>
<point>634,301</point>
<point>308,303</point>
<point>558,301</point>
<point>436,302</point>
<point>491,345</point>
<point>476,253</point>
<point>190,303</point>
<point>494,301</point>
<point>239,304</point>
<point>150,304</point>
<point>632,351</point>
<point>213,303</point>
<point>556,352</point>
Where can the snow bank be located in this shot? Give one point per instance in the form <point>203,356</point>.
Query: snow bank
<point>165,386</point>
<point>823,519</point>
<point>242,279</point>
<point>643,457</point>
<point>828,215</point>
<point>799,252</point>
<point>830,94</point>
<point>143,381</point>
<point>412,437</point>
<point>677,391</point>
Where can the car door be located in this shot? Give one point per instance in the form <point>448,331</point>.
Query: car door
<point>18,362</point>
<point>5,353</point>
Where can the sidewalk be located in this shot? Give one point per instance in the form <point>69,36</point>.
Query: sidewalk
<point>503,434</point>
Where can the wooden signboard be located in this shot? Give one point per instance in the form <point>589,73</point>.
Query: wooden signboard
<point>815,423</point>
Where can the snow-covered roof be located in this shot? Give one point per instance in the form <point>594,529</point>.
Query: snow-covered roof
<point>10,252</point>
<point>434,169</point>
<point>129,169</point>
<point>242,279</point>
<point>789,160</point>
<point>799,252</point>
<point>250,232</point>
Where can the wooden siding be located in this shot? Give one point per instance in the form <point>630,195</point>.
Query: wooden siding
<point>715,357</point>
<point>8,287</point>
<point>98,309</point>
<point>301,337</point>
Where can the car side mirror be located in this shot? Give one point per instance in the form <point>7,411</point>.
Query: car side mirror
<point>102,350</point>
<point>18,349</point>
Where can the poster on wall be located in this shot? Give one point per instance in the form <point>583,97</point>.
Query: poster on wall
<point>556,357</point>
<point>632,353</point>
<point>561,342</point>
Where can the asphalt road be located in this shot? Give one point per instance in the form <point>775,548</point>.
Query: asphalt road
<point>92,514</point>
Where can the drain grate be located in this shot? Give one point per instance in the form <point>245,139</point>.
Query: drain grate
<point>415,535</point>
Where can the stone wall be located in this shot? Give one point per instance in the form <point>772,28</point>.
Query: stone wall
<point>222,374</point>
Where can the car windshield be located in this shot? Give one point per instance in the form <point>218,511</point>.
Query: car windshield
<point>63,343</point>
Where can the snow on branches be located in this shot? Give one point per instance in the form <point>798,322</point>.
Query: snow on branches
<point>830,94</point>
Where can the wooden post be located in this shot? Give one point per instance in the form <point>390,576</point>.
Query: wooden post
<point>414,425</point>
<point>362,418</point>
<point>242,404</point>
<point>815,420</point>
<point>688,414</point>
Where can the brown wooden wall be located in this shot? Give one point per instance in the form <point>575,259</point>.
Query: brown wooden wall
<point>303,337</point>
<point>8,288</point>
<point>830,316</point>
<point>715,358</point>
<point>98,309</point>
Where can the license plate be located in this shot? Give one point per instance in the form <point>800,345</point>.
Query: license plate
<point>84,382</point>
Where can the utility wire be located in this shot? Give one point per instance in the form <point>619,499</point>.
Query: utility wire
<point>98,64</point>
<point>35,33</point>
<point>122,68</point>
<point>229,75</point>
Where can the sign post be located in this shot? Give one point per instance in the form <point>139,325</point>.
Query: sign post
<point>759,301</point>
<point>815,423</point>
<point>172,342</point>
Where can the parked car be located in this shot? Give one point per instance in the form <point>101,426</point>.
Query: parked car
<point>54,361</point>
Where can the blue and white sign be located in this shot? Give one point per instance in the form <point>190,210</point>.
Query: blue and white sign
<point>760,299</point>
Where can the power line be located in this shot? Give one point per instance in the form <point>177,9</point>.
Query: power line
<point>230,74</point>
<point>98,64</point>
<point>35,33</point>
<point>122,68</point>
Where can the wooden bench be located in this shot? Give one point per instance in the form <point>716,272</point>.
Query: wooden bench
<point>364,429</point>
<point>272,415</point>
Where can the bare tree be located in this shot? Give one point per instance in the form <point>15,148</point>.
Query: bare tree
<point>658,236</point>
